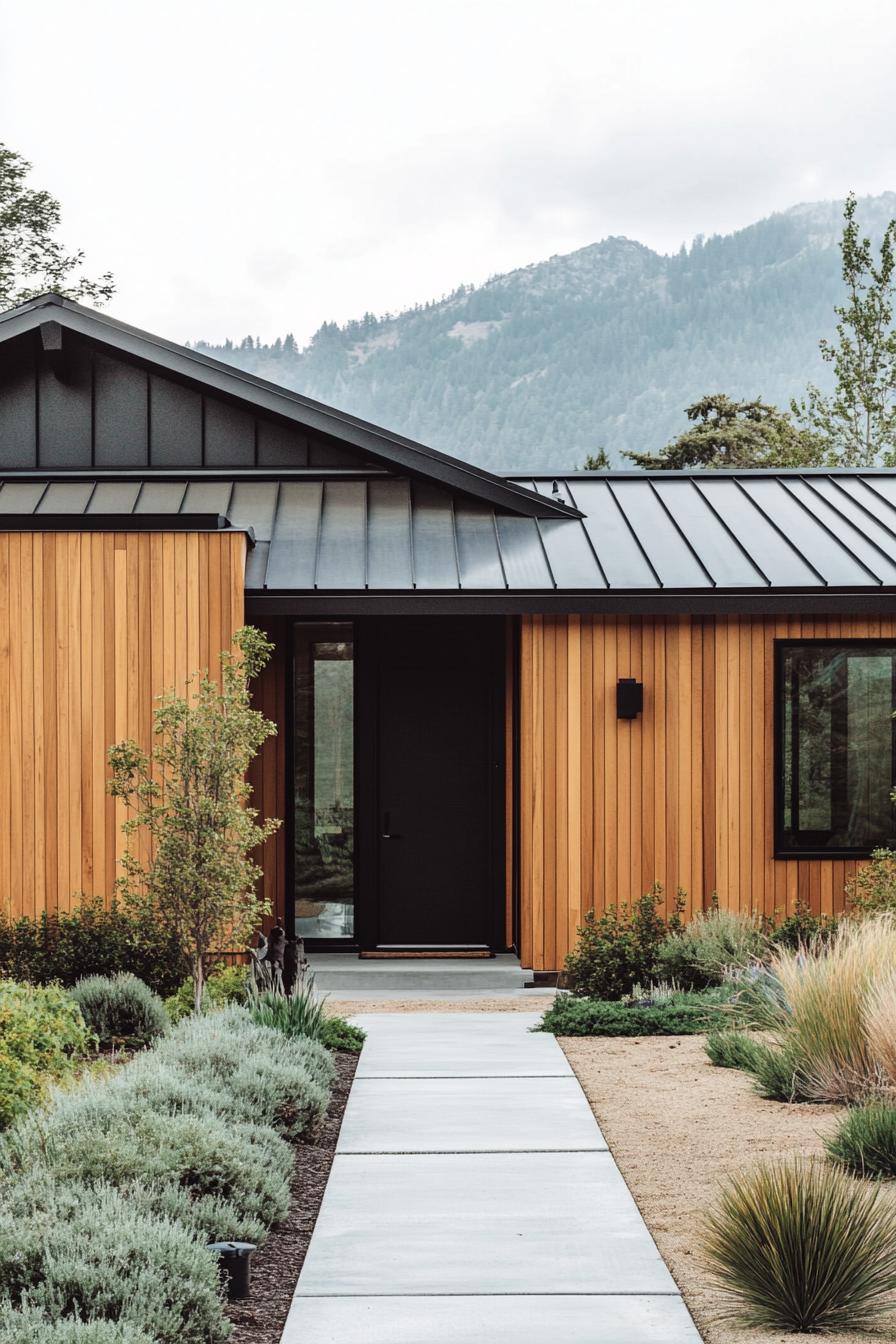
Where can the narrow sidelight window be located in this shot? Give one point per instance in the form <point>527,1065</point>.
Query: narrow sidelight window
<point>324,761</point>
<point>834,748</point>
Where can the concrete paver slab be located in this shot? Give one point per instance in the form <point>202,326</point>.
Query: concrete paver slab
<point>490,1320</point>
<point>473,1223</point>
<point>454,1045</point>
<point>453,1115</point>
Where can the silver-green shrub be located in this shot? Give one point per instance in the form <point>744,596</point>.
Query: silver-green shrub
<point>712,943</point>
<point>120,1008</point>
<point>100,1134</point>
<point>31,1326</point>
<point>266,1075</point>
<point>107,1260</point>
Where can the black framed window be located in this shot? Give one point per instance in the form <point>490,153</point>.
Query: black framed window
<point>324,781</point>
<point>835,746</point>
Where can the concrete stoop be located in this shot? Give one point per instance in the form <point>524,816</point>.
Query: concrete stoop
<point>347,976</point>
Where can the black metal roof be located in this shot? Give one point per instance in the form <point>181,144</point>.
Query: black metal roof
<point>653,536</point>
<point>52,316</point>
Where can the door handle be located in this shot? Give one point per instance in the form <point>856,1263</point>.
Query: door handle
<point>386,834</point>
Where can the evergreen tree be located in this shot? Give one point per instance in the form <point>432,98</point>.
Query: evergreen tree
<point>729,433</point>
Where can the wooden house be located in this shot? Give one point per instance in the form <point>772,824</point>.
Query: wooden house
<point>500,702</point>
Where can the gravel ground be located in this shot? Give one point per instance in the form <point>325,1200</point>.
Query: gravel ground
<point>676,1126</point>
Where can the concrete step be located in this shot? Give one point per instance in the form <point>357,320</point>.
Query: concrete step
<point>346,974</point>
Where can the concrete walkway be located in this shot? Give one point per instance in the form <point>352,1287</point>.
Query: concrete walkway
<point>473,1200</point>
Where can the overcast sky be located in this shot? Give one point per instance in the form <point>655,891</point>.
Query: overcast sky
<point>265,166</point>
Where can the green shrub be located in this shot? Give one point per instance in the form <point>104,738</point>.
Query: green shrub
<point>41,1027</point>
<point>91,940</point>
<point>802,1247</point>
<point>101,1135</point>
<point>618,948</point>
<point>873,889</point>
<point>30,1326</point>
<point>224,987</point>
<point>676,1015</point>
<point>20,1089</point>
<point>802,928</point>
<point>100,1257</point>
<point>120,1008</point>
<point>733,1049</point>
<point>865,1140</point>
<point>713,942</point>
<point>338,1034</point>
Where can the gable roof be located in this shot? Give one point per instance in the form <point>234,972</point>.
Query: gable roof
<point>393,451</point>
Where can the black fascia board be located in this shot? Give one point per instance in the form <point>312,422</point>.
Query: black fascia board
<point>120,522</point>
<point>230,382</point>
<point>324,603</point>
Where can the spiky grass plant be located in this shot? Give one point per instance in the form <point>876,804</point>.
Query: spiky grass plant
<point>865,1140</point>
<point>298,1014</point>
<point>802,1246</point>
<point>733,1050</point>
<point>710,944</point>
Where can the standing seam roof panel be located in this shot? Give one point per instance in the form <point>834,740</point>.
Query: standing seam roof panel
<point>726,560</point>
<point>389,564</point>
<point>792,516</point>
<point>477,547</point>
<point>778,558</point>
<point>435,546</point>
<point>620,556</point>
<point>293,556</point>
<point>342,552</point>
<point>862,538</point>
<point>522,553</point>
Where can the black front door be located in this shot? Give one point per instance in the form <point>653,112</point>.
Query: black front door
<point>438,782</point>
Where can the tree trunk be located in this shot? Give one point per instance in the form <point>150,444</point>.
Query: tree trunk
<point>198,983</point>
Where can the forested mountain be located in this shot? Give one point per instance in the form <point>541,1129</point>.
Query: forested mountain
<point>602,347</point>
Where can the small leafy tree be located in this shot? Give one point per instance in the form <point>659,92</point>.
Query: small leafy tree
<point>32,259</point>
<point>188,800</point>
<point>859,419</point>
<point>728,433</point>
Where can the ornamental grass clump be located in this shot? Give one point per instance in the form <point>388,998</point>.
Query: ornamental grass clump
<point>865,1140</point>
<point>120,1009</point>
<point>819,1003</point>
<point>300,1013</point>
<point>107,1260</point>
<point>802,1246</point>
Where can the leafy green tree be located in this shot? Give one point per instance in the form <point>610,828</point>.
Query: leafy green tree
<point>32,259</point>
<point>188,804</point>
<point>728,433</point>
<point>859,419</point>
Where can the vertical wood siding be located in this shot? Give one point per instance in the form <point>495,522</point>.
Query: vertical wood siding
<point>681,795</point>
<point>93,625</point>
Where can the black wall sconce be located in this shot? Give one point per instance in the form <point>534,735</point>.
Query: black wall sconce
<point>629,698</point>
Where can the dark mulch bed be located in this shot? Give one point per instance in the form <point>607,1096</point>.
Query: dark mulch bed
<point>276,1266</point>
